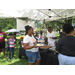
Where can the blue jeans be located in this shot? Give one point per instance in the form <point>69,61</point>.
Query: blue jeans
<point>66,60</point>
<point>7,48</point>
<point>11,49</point>
<point>33,56</point>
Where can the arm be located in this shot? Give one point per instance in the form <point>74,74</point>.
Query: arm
<point>56,51</point>
<point>54,37</point>
<point>8,40</point>
<point>19,45</point>
<point>26,46</point>
<point>14,41</point>
<point>26,42</point>
<point>46,40</point>
<point>5,35</point>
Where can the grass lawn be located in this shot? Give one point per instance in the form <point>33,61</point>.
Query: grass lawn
<point>16,61</point>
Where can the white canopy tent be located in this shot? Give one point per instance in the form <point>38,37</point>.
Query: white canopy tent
<point>40,14</point>
<point>12,30</point>
<point>22,23</point>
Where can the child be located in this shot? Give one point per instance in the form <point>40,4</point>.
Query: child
<point>11,45</point>
<point>21,41</point>
<point>7,45</point>
<point>37,37</point>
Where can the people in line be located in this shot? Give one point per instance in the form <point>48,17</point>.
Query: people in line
<point>21,41</point>
<point>2,42</point>
<point>12,46</point>
<point>66,46</point>
<point>51,36</point>
<point>30,47</point>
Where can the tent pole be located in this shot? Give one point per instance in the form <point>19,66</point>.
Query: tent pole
<point>44,28</point>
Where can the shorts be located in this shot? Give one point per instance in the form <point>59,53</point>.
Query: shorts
<point>2,45</point>
<point>66,60</point>
<point>33,56</point>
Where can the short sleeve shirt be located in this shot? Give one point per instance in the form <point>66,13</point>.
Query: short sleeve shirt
<point>2,37</point>
<point>66,46</point>
<point>31,41</point>
<point>50,40</point>
<point>21,43</point>
<point>11,43</point>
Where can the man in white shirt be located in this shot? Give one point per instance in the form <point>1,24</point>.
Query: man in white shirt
<point>51,36</point>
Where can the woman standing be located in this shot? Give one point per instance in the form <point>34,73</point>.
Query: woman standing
<point>66,46</point>
<point>30,46</point>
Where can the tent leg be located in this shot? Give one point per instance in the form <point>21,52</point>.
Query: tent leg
<point>44,28</point>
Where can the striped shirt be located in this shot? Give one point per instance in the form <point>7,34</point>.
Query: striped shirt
<point>11,43</point>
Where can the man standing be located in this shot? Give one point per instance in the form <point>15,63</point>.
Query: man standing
<point>41,35</point>
<point>2,42</point>
<point>51,36</point>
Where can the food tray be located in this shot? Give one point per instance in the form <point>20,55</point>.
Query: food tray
<point>39,45</point>
<point>41,41</point>
<point>45,47</point>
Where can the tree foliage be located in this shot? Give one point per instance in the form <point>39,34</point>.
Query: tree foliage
<point>56,25</point>
<point>7,23</point>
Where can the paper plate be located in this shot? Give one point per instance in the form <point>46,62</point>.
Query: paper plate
<point>40,45</point>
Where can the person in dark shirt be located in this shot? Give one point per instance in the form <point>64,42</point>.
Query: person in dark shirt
<point>21,41</point>
<point>62,34</point>
<point>66,46</point>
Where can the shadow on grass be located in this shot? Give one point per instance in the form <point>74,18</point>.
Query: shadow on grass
<point>16,61</point>
<point>23,61</point>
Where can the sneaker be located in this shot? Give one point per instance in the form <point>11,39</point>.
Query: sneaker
<point>13,57</point>
<point>8,59</point>
<point>5,57</point>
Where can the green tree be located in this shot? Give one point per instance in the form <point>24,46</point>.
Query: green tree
<point>9,23</point>
<point>57,25</point>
